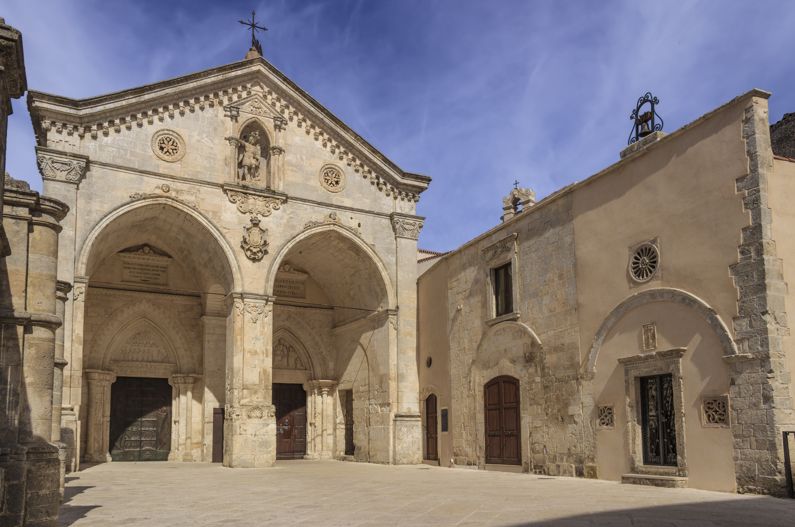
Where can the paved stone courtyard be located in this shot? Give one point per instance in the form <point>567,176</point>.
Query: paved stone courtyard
<point>338,493</point>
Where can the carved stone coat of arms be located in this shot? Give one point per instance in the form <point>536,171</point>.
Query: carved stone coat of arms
<point>254,243</point>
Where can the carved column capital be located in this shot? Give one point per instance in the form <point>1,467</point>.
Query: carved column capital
<point>61,166</point>
<point>276,150</point>
<point>255,308</point>
<point>406,225</point>
<point>181,379</point>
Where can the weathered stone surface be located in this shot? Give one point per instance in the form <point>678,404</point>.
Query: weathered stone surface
<point>782,136</point>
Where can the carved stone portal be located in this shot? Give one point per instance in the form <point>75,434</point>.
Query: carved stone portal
<point>254,243</point>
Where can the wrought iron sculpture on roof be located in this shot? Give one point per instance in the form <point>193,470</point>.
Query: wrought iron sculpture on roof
<point>645,122</point>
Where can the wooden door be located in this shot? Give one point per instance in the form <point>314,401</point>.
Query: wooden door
<point>140,419</point>
<point>218,435</point>
<point>431,430</point>
<point>501,399</point>
<point>290,402</point>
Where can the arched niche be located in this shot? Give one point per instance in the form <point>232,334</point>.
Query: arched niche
<point>141,349</point>
<point>252,154</point>
<point>291,361</point>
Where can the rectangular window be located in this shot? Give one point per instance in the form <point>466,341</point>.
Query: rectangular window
<point>444,420</point>
<point>503,290</point>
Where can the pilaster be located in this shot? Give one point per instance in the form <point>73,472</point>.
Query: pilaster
<point>97,438</point>
<point>250,417</point>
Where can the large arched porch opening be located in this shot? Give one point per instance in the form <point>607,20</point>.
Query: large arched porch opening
<point>332,294</point>
<point>149,336</point>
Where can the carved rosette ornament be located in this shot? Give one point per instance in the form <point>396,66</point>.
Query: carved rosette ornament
<point>406,226</point>
<point>254,243</point>
<point>61,166</point>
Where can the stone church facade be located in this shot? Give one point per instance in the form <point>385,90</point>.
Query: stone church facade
<point>644,335</point>
<point>222,271</point>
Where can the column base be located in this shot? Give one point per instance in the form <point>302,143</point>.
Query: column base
<point>250,436</point>
<point>407,439</point>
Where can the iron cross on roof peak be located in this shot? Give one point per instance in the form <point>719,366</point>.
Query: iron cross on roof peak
<point>516,183</point>
<point>253,27</point>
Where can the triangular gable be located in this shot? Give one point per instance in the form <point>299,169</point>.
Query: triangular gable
<point>254,83</point>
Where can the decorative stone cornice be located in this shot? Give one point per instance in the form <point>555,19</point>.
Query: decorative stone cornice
<point>500,248</point>
<point>406,226</point>
<point>254,201</point>
<point>61,166</point>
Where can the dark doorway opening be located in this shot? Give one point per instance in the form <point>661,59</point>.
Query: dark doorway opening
<point>218,435</point>
<point>657,415</point>
<point>140,419</point>
<point>501,398</point>
<point>346,399</point>
<point>431,433</point>
<point>290,402</point>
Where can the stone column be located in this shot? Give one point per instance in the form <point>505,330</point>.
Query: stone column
<point>182,417</point>
<point>407,426</point>
<point>250,417</point>
<point>73,372</point>
<point>311,420</point>
<point>62,290</point>
<point>98,447</point>
<point>277,155</point>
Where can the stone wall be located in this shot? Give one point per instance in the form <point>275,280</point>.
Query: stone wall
<point>782,136</point>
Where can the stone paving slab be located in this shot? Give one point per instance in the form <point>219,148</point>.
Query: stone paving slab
<point>332,493</point>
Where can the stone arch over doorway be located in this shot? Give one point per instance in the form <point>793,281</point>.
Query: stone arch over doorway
<point>151,303</point>
<point>662,294</point>
<point>333,291</point>
<point>508,349</point>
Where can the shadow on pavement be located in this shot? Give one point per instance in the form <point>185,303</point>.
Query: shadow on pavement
<point>761,511</point>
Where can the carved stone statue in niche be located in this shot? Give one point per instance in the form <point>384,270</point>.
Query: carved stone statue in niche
<point>252,155</point>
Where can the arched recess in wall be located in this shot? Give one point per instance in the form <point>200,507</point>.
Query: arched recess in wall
<point>508,349</point>
<point>353,242</point>
<point>304,358</point>
<point>192,235</point>
<point>141,349</point>
<point>661,295</point>
<point>120,323</point>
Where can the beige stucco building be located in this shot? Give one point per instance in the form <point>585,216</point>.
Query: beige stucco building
<point>646,335</point>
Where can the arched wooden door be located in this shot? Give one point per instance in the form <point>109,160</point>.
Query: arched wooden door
<point>501,399</point>
<point>431,434</point>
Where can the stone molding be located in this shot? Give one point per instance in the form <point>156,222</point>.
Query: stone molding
<point>254,201</point>
<point>645,364</point>
<point>504,248</point>
<point>165,190</point>
<point>61,166</point>
<point>332,218</point>
<point>406,225</point>
<point>660,295</point>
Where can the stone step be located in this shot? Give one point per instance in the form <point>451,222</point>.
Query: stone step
<point>655,480</point>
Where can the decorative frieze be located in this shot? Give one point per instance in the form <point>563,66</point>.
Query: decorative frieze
<point>164,190</point>
<point>406,226</point>
<point>61,166</point>
<point>258,203</point>
<point>231,98</point>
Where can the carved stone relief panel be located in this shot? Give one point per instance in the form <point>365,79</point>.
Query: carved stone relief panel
<point>145,264</point>
<point>286,357</point>
<point>60,166</point>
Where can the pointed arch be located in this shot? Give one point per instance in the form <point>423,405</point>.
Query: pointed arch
<point>283,333</point>
<point>132,329</point>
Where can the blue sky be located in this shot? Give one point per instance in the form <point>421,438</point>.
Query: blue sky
<point>474,93</point>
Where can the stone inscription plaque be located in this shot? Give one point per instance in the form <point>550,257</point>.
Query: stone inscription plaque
<point>144,272</point>
<point>290,287</point>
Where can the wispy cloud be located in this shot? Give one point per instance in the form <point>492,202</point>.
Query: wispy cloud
<point>473,93</point>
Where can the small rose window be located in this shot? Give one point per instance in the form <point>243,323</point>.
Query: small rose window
<point>644,262</point>
<point>168,145</point>
<point>332,178</point>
